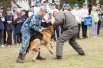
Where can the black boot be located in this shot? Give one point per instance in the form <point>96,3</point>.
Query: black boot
<point>58,57</point>
<point>82,54</point>
<point>39,57</point>
<point>20,58</point>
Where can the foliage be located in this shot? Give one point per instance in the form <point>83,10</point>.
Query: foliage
<point>72,2</point>
<point>5,3</point>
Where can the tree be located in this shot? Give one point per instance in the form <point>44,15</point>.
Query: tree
<point>93,2</point>
<point>29,2</point>
<point>15,2</point>
<point>5,3</point>
<point>52,1</point>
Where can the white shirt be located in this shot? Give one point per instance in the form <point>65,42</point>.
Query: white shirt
<point>30,13</point>
<point>77,14</point>
<point>36,9</point>
<point>84,13</point>
<point>46,17</point>
<point>52,18</point>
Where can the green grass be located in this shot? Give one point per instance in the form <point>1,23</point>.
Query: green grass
<point>93,48</point>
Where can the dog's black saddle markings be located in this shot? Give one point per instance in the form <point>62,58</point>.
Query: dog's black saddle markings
<point>38,35</point>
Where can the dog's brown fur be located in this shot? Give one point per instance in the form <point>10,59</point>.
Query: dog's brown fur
<point>38,39</point>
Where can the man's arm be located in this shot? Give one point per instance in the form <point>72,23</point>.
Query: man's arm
<point>59,19</point>
<point>34,24</point>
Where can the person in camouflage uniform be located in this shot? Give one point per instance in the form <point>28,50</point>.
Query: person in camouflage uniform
<point>30,27</point>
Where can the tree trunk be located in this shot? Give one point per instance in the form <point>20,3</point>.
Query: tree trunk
<point>29,2</point>
<point>14,1</point>
<point>52,1</point>
<point>93,2</point>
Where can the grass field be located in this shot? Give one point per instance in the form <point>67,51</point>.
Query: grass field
<point>93,48</point>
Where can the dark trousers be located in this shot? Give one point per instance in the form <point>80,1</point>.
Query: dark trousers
<point>1,37</point>
<point>9,38</point>
<point>84,30</point>
<point>78,36</point>
<point>44,24</point>
<point>18,38</point>
<point>69,35</point>
<point>99,26</point>
<point>5,37</point>
<point>14,37</point>
<point>57,33</point>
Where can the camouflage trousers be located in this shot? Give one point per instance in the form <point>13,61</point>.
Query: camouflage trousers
<point>25,42</point>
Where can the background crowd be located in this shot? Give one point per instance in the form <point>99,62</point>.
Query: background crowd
<point>11,21</point>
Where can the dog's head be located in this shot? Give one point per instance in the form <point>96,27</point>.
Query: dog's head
<point>50,29</point>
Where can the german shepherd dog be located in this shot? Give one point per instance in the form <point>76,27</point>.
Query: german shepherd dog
<point>38,39</point>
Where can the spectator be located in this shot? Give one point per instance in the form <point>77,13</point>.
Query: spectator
<point>52,12</point>
<point>100,13</point>
<point>2,19</point>
<point>9,26</point>
<point>31,12</point>
<point>77,14</point>
<point>23,12</point>
<point>68,7</point>
<point>57,31</point>
<point>37,6</point>
<point>64,7</point>
<point>46,19</point>
<point>85,13</point>
<point>5,35</point>
<point>14,13</point>
<point>95,20</point>
<point>17,27</point>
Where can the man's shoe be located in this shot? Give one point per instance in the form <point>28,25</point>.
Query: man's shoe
<point>58,57</point>
<point>82,54</point>
<point>20,58</point>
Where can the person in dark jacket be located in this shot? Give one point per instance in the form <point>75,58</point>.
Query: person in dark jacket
<point>2,19</point>
<point>100,14</point>
<point>9,26</point>
<point>70,32</point>
<point>17,28</point>
<point>5,35</point>
<point>23,12</point>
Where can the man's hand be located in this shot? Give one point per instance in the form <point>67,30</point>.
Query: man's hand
<point>43,28</point>
<point>19,21</point>
<point>9,22</point>
<point>40,30</point>
<point>99,12</point>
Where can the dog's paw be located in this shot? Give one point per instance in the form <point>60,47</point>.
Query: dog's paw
<point>52,47</point>
<point>51,52</point>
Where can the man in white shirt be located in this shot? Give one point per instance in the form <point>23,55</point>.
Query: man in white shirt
<point>37,7</point>
<point>46,19</point>
<point>85,13</point>
<point>77,14</point>
<point>31,11</point>
<point>52,11</point>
